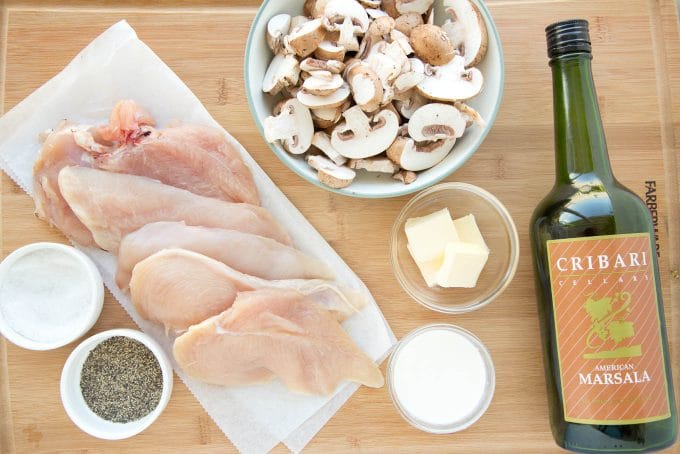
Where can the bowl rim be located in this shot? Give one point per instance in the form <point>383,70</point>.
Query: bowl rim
<point>76,360</point>
<point>96,295</point>
<point>489,389</point>
<point>510,227</point>
<point>417,185</point>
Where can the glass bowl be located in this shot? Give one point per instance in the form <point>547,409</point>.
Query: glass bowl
<point>487,387</point>
<point>497,228</point>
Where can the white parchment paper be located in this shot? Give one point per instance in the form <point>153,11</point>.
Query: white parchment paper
<point>118,65</point>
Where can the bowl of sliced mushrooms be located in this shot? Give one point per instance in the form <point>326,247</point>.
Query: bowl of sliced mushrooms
<point>372,98</point>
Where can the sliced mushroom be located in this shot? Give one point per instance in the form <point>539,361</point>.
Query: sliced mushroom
<point>409,155</point>
<point>375,13</point>
<point>470,114</point>
<point>349,18</point>
<point>330,174</point>
<point>374,164</point>
<point>312,64</point>
<point>329,116</point>
<point>304,39</point>
<point>360,137</point>
<point>466,30</point>
<point>329,50</point>
<point>293,127</point>
<point>413,6</point>
<point>283,71</point>
<point>297,21</point>
<point>370,3</point>
<point>367,89</point>
<point>390,7</point>
<point>322,83</point>
<point>436,121</point>
<point>412,103</point>
<point>322,141</point>
<point>316,102</point>
<point>451,82</point>
<point>315,8</point>
<point>405,176</point>
<point>432,45</point>
<point>277,27</point>
<point>407,22</point>
<point>402,40</point>
<point>408,80</point>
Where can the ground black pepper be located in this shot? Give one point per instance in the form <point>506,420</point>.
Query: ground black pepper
<point>121,380</point>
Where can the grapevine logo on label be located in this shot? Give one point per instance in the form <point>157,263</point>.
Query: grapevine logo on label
<point>607,325</point>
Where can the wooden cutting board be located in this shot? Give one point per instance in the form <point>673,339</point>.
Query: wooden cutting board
<point>637,71</point>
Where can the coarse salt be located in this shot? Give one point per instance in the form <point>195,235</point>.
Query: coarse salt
<point>440,378</point>
<point>46,294</point>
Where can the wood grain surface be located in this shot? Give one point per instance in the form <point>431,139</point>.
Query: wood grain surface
<point>637,72</point>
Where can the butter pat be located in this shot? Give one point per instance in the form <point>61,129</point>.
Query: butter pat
<point>468,232</point>
<point>428,269</point>
<point>429,235</point>
<point>462,265</point>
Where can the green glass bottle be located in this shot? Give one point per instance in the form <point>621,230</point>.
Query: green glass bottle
<point>607,364</point>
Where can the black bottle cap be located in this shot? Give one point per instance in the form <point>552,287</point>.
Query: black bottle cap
<point>567,37</point>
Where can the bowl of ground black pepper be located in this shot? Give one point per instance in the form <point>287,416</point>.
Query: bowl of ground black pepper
<point>116,383</point>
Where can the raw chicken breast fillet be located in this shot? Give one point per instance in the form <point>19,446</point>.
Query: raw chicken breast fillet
<point>112,205</point>
<point>192,157</point>
<point>179,288</point>
<point>61,148</point>
<point>274,333</point>
<point>247,253</point>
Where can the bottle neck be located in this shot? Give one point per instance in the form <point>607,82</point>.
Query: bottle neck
<point>580,146</point>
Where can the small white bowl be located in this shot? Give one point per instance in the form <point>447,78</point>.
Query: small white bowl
<point>11,315</point>
<point>375,185</point>
<point>78,410</point>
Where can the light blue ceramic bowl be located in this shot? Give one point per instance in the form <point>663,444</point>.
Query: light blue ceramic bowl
<point>371,185</point>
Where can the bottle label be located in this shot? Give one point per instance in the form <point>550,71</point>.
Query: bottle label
<point>607,327</point>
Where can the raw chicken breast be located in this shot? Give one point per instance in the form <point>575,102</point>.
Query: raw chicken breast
<point>249,254</point>
<point>65,146</point>
<point>275,330</point>
<point>112,205</point>
<point>192,157</point>
<point>179,288</point>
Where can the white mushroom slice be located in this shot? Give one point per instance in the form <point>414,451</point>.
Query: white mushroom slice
<point>367,89</point>
<point>371,49</point>
<point>329,50</point>
<point>359,137</point>
<point>370,3</point>
<point>405,176</point>
<point>413,6</point>
<point>327,117</point>
<point>374,164</point>
<point>330,174</point>
<point>407,81</point>
<point>396,53</point>
<point>333,100</point>
<point>312,64</point>
<point>466,30</point>
<point>293,127</point>
<point>297,21</point>
<point>322,83</point>
<point>385,67</point>
<point>376,13</point>
<point>322,141</point>
<point>277,27</point>
<point>470,114</point>
<point>283,71</point>
<point>315,8</point>
<point>409,155</point>
<point>402,40</point>
<point>414,102</point>
<point>451,82</point>
<point>432,45</point>
<point>349,18</point>
<point>304,39</point>
<point>436,121</point>
<point>407,22</point>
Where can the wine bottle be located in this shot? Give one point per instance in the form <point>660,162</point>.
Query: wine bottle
<point>606,358</point>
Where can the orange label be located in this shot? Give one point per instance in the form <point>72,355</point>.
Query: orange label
<point>607,327</point>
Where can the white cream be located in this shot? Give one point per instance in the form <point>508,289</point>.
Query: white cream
<point>440,378</point>
<point>46,295</point>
